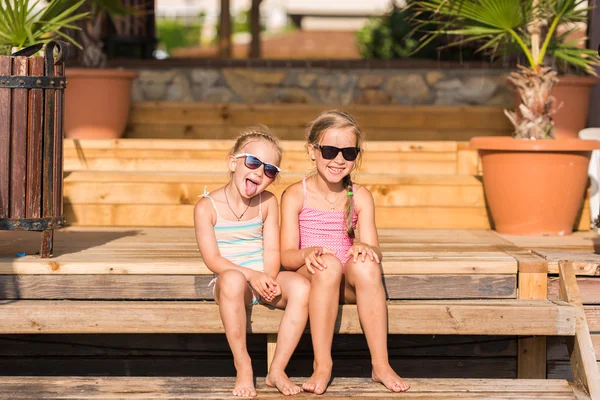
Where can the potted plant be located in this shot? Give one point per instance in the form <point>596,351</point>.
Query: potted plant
<point>98,99</point>
<point>533,184</point>
<point>24,24</point>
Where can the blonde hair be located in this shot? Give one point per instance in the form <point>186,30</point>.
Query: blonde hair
<point>258,132</point>
<point>314,133</point>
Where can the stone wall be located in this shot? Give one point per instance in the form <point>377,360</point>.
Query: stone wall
<point>479,86</point>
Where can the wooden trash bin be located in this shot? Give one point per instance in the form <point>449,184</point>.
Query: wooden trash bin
<point>31,124</point>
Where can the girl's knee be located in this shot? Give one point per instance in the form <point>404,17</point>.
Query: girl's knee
<point>231,283</point>
<point>367,271</point>
<point>333,272</point>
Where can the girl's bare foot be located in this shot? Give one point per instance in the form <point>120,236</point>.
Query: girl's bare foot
<point>385,374</point>
<point>278,379</point>
<point>319,380</point>
<point>244,381</point>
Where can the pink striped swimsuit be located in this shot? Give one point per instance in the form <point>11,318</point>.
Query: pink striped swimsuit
<point>325,228</point>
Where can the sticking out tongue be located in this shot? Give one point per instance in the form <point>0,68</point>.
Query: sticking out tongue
<point>251,188</point>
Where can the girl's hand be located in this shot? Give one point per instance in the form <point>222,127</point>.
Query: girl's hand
<point>264,285</point>
<point>362,248</point>
<point>312,257</point>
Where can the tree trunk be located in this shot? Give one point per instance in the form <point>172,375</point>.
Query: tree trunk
<point>254,51</point>
<point>225,48</point>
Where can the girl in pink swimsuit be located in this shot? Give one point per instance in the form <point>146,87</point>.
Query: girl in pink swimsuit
<point>320,217</point>
<point>237,230</point>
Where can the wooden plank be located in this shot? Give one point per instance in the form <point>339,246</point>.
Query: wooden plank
<point>213,346</point>
<point>397,166</point>
<point>341,388</point>
<point>18,145</point>
<point>84,145</point>
<point>532,351</point>
<point>173,251</point>
<point>589,289</point>
<point>34,142</point>
<point>5,129</point>
<point>195,287</point>
<point>557,348</point>
<point>468,317</point>
<point>368,117</point>
<point>57,174</point>
<point>127,215</point>
<point>200,131</point>
<point>581,349</point>
<point>155,192</point>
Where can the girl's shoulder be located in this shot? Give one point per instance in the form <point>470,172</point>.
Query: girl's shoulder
<point>293,193</point>
<point>205,206</point>
<point>362,196</point>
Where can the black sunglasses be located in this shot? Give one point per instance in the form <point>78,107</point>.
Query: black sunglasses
<point>331,152</point>
<point>254,162</point>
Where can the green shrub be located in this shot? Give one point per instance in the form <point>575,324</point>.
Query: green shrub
<point>173,33</point>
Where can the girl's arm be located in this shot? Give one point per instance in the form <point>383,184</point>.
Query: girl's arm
<point>271,235</point>
<point>367,231</point>
<point>204,221</point>
<point>291,203</point>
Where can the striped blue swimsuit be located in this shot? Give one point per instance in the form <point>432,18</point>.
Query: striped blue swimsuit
<point>241,242</point>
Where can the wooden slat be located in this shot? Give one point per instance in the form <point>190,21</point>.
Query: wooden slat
<point>368,117</point>
<point>191,345</point>
<point>583,360</point>
<point>195,287</point>
<point>122,215</point>
<point>174,251</point>
<point>18,145</point>
<point>468,317</point>
<point>34,143</point>
<point>219,388</point>
<point>200,131</point>
<point>83,145</point>
<point>153,191</point>
<point>589,289</point>
<point>5,129</point>
<point>557,348</point>
<point>57,181</point>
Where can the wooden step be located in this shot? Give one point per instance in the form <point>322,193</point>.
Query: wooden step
<point>431,317</point>
<point>220,388</point>
<point>179,120</point>
<point>108,198</point>
<point>442,158</point>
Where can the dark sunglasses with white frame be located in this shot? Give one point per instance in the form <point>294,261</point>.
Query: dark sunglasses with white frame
<point>253,162</point>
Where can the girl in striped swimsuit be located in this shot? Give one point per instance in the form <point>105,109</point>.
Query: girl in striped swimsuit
<point>319,216</point>
<point>237,230</point>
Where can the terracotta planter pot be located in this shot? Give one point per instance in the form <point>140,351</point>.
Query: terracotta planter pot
<point>574,94</point>
<point>97,102</point>
<point>534,187</point>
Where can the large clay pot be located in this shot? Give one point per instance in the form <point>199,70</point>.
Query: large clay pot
<point>534,187</point>
<point>573,92</point>
<point>97,102</point>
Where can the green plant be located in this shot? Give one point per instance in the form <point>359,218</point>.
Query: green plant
<point>387,37</point>
<point>174,34</point>
<point>500,27</point>
<point>24,23</point>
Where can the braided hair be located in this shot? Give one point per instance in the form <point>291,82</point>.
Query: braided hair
<point>314,133</point>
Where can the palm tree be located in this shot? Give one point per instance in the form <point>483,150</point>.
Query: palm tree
<point>530,26</point>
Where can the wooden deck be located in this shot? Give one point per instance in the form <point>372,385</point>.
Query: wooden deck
<point>440,282</point>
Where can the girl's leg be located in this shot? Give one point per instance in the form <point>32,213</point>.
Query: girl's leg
<point>232,294</point>
<point>364,286</point>
<point>295,290</point>
<point>322,313</point>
